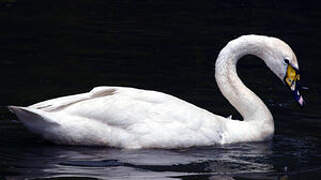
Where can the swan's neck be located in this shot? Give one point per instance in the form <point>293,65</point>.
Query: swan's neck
<point>243,99</point>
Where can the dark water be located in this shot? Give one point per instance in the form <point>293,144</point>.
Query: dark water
<point>54,48</point>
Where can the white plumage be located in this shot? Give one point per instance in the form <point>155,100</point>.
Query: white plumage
<point>134,118</point>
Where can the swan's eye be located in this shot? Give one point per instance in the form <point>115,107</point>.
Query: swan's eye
<point>286,61</point>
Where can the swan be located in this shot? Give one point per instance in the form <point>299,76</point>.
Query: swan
<point>132,118</point>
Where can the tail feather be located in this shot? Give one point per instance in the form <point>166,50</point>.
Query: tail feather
<point>35,119</point>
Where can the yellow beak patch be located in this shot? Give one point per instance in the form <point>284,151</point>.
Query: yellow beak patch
<point>291,77</point>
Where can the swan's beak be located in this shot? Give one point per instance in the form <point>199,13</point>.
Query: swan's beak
<point>292,79</point>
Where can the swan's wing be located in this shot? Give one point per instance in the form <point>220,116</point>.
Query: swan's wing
<point>123,106</point>
<point>127,108</point>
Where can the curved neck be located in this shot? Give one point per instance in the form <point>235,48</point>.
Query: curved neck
<point>249,105</point>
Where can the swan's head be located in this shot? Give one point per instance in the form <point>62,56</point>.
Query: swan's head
<point>280,58</point>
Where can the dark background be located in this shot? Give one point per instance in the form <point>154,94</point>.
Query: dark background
<point>55,48</point>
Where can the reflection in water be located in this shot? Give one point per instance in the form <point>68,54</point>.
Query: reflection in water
<point>55,161</point>
<point>255,160</point>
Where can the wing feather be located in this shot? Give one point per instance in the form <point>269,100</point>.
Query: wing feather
<point>57,104</point>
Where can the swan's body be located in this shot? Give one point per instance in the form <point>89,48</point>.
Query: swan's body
<point>134,118</point>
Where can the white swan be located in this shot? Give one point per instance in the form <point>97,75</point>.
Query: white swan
<point>134,118</point>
